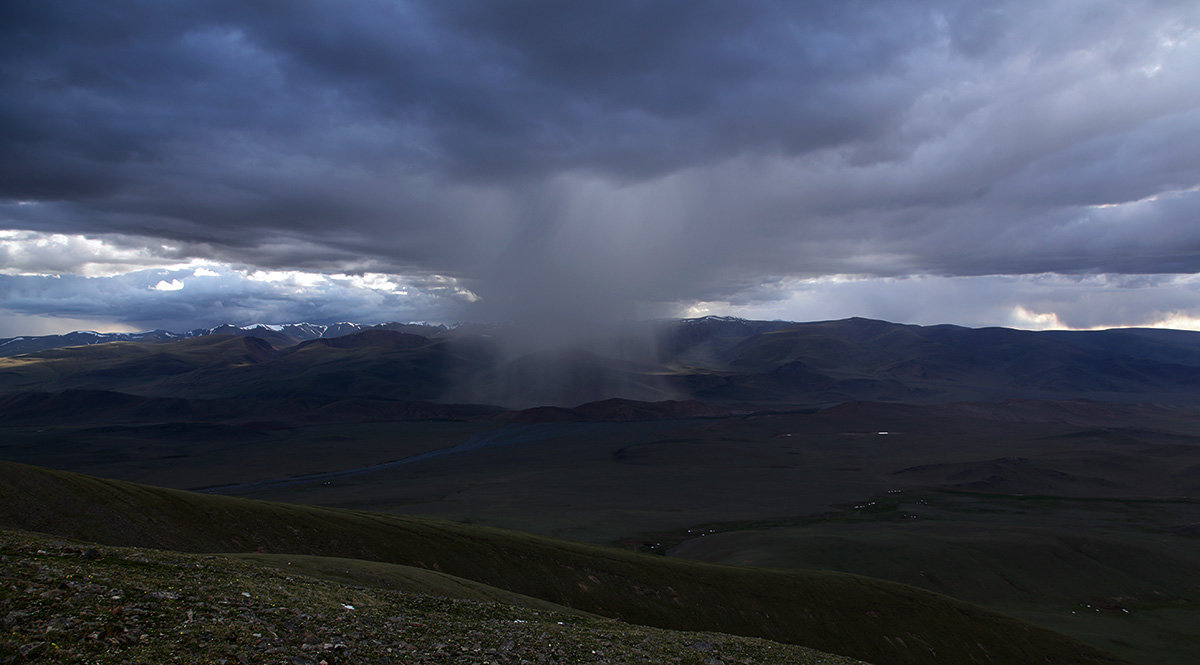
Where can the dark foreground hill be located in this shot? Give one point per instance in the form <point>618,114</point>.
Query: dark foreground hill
<point>70,602</point>
<point>876,621</point>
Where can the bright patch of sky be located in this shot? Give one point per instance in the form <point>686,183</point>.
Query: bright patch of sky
<point>1029,302</point>
<point>116,295</point>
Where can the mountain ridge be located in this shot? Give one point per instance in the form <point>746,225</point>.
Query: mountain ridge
<point>709,360</point>
<point>286,333</point>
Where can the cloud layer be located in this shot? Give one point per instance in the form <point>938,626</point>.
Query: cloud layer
<point>184,299</point>
<point>561,160</point>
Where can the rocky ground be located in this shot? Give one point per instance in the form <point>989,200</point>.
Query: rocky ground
<point>67,602</point>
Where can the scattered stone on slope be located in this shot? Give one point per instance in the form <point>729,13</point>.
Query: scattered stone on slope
<point>61,603</point>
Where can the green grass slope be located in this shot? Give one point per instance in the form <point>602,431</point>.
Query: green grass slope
<point>73,603</point>
<point>881,622</point>
<point>1136,595</point>
<point>397,577</point>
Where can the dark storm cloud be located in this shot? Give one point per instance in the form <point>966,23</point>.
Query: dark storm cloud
<point>584,155</point>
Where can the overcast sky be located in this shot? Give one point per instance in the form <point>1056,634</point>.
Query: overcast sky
<point>178,164</point>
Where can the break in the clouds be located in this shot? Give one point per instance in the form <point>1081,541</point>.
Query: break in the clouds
<point>559,160</point>
<point>1036,302</point>
<point>185,298</point>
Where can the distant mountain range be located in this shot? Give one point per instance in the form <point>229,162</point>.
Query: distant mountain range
<point>277,334</point>
<point>713,360</point>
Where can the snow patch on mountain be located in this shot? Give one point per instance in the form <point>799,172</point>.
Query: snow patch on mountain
<point>276,333</point>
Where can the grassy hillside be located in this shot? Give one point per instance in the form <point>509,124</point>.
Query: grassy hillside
<point>1122,591</point>
<point>880,622</point>
<point>69,602</point>
<point>397,577</point>
<point>980,493</point>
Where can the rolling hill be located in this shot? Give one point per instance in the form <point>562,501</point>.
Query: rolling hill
<point>876,621</point>
<point>70,601</point>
